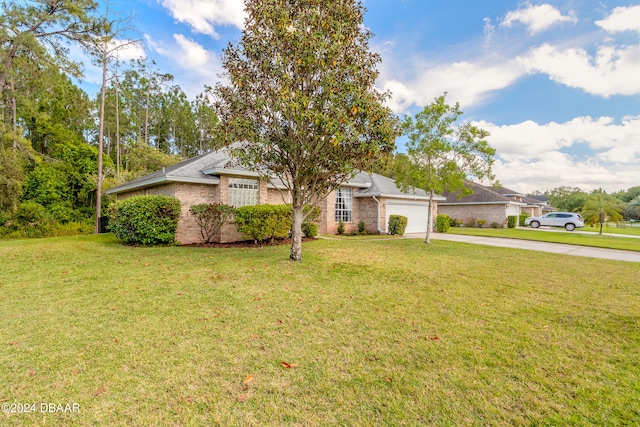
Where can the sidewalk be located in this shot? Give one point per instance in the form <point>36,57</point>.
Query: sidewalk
<point>559,248</point>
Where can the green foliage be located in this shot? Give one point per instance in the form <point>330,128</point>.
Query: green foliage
<point>300,90</point>
<point>12,178</point>
<point>512,220</point>
<point>31,214</point>
<point>144,159</point>
<point>443,222</point>
<point>567,199</point>
<point>310,229</point>
<point>397,225</point>
<point>601,207</point>
<point>632,209</point>
<point>362,228</point>
<point>481,222</point>
<point>145,220</point>
<point>340,227</point>
<point>263,222</point>
<point>442,154</point>
<point>211,218</point>
<point>523,217</point>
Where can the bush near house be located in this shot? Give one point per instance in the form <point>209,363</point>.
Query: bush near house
<point>264,222</point>
<point>397,224</point>
<point>145,220</point>
<point>443,222</point>
<point>512,220</point>
<point>523,216</point>
<point>211,217</point>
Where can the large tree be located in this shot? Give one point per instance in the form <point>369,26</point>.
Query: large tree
<point>31,28</point>
<point>442,154</point>
<point>300,98</point>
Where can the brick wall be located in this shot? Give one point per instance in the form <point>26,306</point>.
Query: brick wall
<point>491,213</point>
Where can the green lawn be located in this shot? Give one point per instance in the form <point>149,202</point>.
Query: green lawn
<point>560,236</point>
<point>362,332</point>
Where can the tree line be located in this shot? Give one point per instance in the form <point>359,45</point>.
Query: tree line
<point>51,128</point>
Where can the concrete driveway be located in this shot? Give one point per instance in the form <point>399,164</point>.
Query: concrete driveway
<point>558,248</point>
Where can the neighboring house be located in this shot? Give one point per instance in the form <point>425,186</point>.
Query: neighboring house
<point>215,178</point>
<point>492,204</point>
<point>537,206</point>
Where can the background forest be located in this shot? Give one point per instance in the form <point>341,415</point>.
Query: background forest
<point>51,128</point>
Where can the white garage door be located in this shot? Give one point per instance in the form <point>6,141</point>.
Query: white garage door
<point>416,213</point>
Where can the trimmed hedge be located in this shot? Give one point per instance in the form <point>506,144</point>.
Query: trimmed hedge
<point>145,220</point>
<point>443,222</point>
<point>397,224</point>
<point>263,222</point>
<point>512,221</point>
<point>523,216</point>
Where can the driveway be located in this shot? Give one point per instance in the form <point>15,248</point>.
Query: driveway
<point>558,248</point>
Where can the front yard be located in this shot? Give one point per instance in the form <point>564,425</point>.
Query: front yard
<point>363,332</point>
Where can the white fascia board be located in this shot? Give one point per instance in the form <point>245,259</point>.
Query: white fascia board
<point>483,203</point>
<point>401,196</point>
<point>162,180</point>
<point>230,172</point>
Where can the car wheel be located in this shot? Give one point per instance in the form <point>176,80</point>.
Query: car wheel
<point>569,227</point>
<point>535,224</point>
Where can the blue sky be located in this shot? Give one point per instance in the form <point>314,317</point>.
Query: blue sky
<point>557,83</point>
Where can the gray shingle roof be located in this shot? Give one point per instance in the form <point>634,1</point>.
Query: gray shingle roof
<point>481,194</point>
<point>204,168</point>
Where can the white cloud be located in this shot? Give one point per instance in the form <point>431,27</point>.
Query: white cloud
<point>204,15</point>
<point>535,157</point>
<point>611,71</point>
<point>622,19</point>
<point>465,82</point>
<point>537,18</point>
<point>187,58</point>
<point>127,49</point>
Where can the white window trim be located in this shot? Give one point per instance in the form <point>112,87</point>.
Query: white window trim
<point>344,205</point>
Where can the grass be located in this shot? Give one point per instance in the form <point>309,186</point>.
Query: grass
<point>371,332</point>
<point>558,236</point>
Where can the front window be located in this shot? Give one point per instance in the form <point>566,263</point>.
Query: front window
<point>243,192</point>
<point>344,204</point>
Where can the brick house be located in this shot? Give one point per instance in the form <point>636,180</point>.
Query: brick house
<point>215,178</point>
<point>492,204</point>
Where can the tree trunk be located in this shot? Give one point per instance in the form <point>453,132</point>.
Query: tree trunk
<point>100,140</point>
<point>428,236</point>
<point>296,232</point>
<point>14,114</point>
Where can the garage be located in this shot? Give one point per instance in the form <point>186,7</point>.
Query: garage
<point>415,211</point>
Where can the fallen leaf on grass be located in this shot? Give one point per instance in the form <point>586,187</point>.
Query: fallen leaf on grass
<point>388,379</point>
<point>248,379</point>
<point>100,390</point>
<point>242,398</point>
<point>432,338</point>
<point>289,365</point>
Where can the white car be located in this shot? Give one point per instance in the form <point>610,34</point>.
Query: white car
<point>569,220</point>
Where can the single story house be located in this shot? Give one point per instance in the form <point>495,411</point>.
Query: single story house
<point>215,178</point>
<point>492,204</point>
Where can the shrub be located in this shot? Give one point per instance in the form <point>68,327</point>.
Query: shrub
<point>523,216</point>
<point>362,227</point>
<point>145,220</point>
<point>481,222</point>
<point>340,227</point>
<point>511,221</point>
<point>310,229</point>
<point>471,223</point>
<point>31,214</point>
<point>211,218</point>
<point>495,225</point>
<point>264,221</point>
<point>443,222</point>
<point>453,222</point>
<point>397,225</point>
